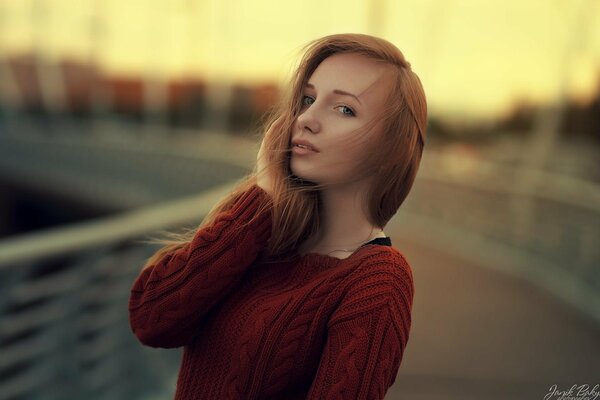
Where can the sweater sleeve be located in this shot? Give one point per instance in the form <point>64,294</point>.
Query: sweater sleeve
<point>367,333</point>
<point>168,300</point>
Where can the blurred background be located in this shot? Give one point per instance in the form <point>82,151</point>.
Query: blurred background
<point>122,118</point>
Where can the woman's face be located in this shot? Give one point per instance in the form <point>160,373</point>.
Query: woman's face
<point>328,117</point>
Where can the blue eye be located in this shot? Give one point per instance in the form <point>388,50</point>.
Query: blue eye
<point>351,114</point>
<point>304,97</point>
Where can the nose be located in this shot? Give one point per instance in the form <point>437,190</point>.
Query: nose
<point>307,120</point>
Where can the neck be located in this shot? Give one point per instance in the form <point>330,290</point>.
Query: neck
<point>345,224</point>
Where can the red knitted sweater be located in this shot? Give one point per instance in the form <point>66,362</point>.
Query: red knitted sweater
<point>310,327</point>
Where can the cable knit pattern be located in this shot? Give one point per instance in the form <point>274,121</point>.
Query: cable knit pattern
<point>169,300</point>
<point>310,327</point>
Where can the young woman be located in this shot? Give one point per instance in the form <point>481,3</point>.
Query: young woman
<point>290,289</point>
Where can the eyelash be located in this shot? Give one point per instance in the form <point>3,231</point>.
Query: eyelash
<point>349,108</point>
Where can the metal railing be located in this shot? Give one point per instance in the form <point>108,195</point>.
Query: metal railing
<point>548,234</point>
<point>64,329</point>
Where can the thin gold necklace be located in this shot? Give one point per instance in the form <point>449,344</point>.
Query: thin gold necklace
<point>366,241</point>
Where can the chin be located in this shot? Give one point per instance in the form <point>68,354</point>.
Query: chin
<point>304,176</point>
<point>300,181</point>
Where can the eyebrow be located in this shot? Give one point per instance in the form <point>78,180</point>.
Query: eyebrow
<point>337,91</point>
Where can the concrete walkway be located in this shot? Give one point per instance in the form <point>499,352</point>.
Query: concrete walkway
<point>479,334</point>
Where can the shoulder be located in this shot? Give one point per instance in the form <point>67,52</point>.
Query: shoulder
<point>385,263</point>
<point>381,278</point>
<point>382,269</point>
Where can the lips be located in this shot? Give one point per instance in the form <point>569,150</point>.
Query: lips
<point>304,143</point>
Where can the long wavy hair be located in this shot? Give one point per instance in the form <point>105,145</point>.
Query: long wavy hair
<point>392,155</point>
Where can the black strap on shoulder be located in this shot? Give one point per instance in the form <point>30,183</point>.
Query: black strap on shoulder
<point>385,241</point>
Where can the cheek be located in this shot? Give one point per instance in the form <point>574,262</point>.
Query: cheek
<point>342,160</point>
<point>344,153</point>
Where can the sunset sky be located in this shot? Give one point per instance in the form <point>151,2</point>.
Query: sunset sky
<point>474,57</point>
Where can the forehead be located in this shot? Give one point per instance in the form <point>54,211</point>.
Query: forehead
<point>353,73</point>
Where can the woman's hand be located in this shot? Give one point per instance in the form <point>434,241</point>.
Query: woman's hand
<point>264,180</point>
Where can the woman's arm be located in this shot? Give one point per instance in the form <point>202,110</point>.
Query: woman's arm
<point>367,335</point>
<point>169,299</point>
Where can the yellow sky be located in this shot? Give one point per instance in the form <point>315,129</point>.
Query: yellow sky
<point>474,57</point>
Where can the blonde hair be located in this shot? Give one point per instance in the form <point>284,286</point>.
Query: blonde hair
<point>393,157</point>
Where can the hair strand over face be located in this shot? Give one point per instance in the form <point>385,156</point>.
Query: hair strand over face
<point>296,203</point>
